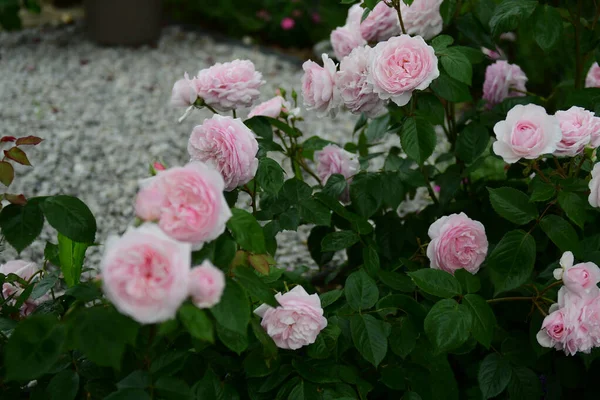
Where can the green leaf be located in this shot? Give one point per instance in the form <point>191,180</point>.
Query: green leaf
<point>138,379</point>
<point>304,391</point>
<point>269,347</point>
<point>377,128</point>
<point>513,205</point>
<point>63,386</point>
<point>318,371</point>
<point>540,190</point>
<point>330,297</point>
<point>235,341</point>
<point>440,42</point>
<point>484,320</point>
<point>394,192</point>
<point>326,342</point>
<point>430,107</point>
<point>296,191</point>
<point>210,387</point>
<point>494,375</point>
<point>335,186</point>
<point>524,384</point>
<point>470,283</point>
<point>17,155</point>
<point>411,396</point>
<point>71,255</point>
<point>196,322</point>
<point>247,231</point>
<point>418,139</point>
<point>472,142</point>
<point>447,325</point>
<point>370,337</point>
<point>457,65</point>
<point>548,27</point>
<point>396,280</point>
<point>312,144</point>
<point>254,285</point>
<point>561,233</point>
<point>339,240</point>
<point>450,89</point>
<point>371,260</point>
<point>233,311</point>
<point>21,224</point>
<point>403,337</point>
<point>128,394</point>
<point>70,217</point>
<point>574,207</point>
<point>260,126</point>
<point>314,212</point>
<point>361,291</point>
<point>509,14</point>
<point>269,175</point>
<point>102,333</point>
<point>366,194</point>
<point>171,388</point>
<point>512,260</point>
<point>34,347</point>
<point>276,379</point>
<point>44,285</point>
<point>436,282</point>
<point>405,303</point>
<point>7,173</point>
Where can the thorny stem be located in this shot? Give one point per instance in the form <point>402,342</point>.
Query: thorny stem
<point>539,172</point>
<point>308,170</point>
<point>534,299</point>
<point>559,167</point>
<point>510,299</point>
<point>549,287</point>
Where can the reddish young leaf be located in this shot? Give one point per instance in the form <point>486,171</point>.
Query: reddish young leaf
<point>8,139</point>
<point>17,155</point>
<point>7,173</point>
<point>18,199</point>
<point>259,262</point>
<point>32,140</point>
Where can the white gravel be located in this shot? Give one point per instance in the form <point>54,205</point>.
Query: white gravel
<point>104,116</point>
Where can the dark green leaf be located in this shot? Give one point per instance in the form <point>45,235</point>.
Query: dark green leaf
<point>472,142</point>
<point>396,280</point>
<point>470,283</point>
<point>440,42</point>
<point>436,282</point>
<point>128,394</point>
<point>21,224</point>
<point>450,89</point>
<point>366,194</point>
<point>511,262</point>
<point>269,175</point>
<point>513,205</point>
<point>370,337</point>
<point>330,297</point>
<point>377,128</point>
<point>524,384</point>
<point>138,379</point>
<point>296,191</point>
<point>404,336</point>
<point>447,325</point>
<point>63,386</point>
<point>233,311</point>
<point>405,303</point>
<point>393,189</point>
<point>574,207</point>
<point>457,65</point>
<point>430,107</point>
<point>260,126</point>
<point>339,240</point>
<point>484,320</point>
<point>540,190</point>
<point>254,285</point>
<point>171,388</point>
<point>247,231</point>
<point>312,144</point>
<point>548,27</point>
<point>315,213</point>
<point>70,217</point>
<point>304,391</point>
<point>335,186</point>
<point>44,285</point>
<point>196,322</point>
<point>509,14</point>
<point>561,233</point>
<point>318,371</point>
<point>235,341</point>
<point>418,139</point>
<point>361,291</point>
<point>494,375</point>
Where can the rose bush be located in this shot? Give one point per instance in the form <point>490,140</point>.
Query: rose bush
<point>487,288</point>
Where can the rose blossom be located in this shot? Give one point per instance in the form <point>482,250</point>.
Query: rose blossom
<point>553,330</point>
<point>400,66</point>
<point>580,279</point>
<point>381,24</point>
<point>422,18</point>
<point>503,80</point>
<point>145,273</point>
<point>229,146</point>
<point>318,87</point>
<point>593,77</point>
<point>206,284</point>
<point>594,185</point>
<point>344,39</point>
<point>457,241</point>
<point>579,127</point>
<point>296,322</point>
<point>187,202</point>
<point>493,54</point>
<point>528,132</point>
<point>25,270</point>
<point>334,160</point>
<point>355,91</point>
<point>270,108</point>
<point>230,85</point>
<point>184,93</point>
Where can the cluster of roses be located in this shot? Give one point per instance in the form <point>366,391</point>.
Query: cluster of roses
<point>573,324</point>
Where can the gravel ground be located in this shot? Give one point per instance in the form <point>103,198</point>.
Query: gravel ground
<point>104,115</point>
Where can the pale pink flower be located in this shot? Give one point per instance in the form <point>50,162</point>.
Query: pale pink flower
<point>594,185</point>
<point>400,66</point>
<point>187,202</point>
<point>334,160</point>
<point>206,285</point>
<point>422,18</point>
<point>528,132</point>
<point>381,24</point>
<point>503,80</point>
<point>184,93</point>
<point>580,279</point>
<point>493,54</point>
<point>229,146</point>
<point>579,128</point>
<point>355,90</point>
<point>270,108</point>
<point>25,270</point>
<point>296,322</point>
<point>230,85</point>
<point>145,273</point>
<point>592,80</point>
<point>457,241</point>
<point>344,39</point>
<point>287,23</point>
<point>318,87</point>
<point>553,330</point>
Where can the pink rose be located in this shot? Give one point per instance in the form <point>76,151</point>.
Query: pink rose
<point>270,108</point>
<point>344,39</point>
<point>230,85</point>
<point>187,202</point>
<point>582,279</point>
<point>355,91</point>
<point>287,23</point>
<point>184,93</point>
<point>381,24</point>
<point>593,77</point>
<point>400,66</point>
<point>493,54</point>
<point>528,132</point>
<point>553,330</point>
<point>229,146</point>
<point>594,185</point>
<point>296,322</point>
<point>422,18</point>
<point>318,87</point>
<point>145,273</point>
<point>25,270</point>
<point>503,80</point>
<point>579,127</point>
<point>457,241</point>
<point>334,160</point>
<point>590,317</point>
<point>206,284</point>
